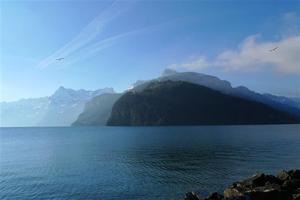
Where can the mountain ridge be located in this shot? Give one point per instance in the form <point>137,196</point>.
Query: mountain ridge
<point>184,103</point>
<point>59,109</point>
<point>290,105</point>
<point>65,105</point>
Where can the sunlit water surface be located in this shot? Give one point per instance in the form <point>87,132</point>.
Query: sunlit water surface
<point>138,162</point>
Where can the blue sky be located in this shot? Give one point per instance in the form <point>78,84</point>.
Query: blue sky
<point>115,43</point>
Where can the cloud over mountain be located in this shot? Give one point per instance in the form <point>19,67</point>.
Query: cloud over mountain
<point>253,55</point>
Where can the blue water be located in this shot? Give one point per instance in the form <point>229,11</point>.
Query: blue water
<point>138,162</point>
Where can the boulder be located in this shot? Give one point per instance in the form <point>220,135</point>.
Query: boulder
<point>296,196</point>
<point>215,196</point>
<point>291,184</point>
<point>286,186</point>
<point>283,175</point>
<point>260,180</point>
<point>233,191</point>
<point>295,174</point>
<point>191,196</point>
<point>262,193</point>
<point>287,175</point>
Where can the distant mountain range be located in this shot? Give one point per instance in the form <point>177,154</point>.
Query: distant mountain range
<point>60,109</point>
<point>183,103</point>
<point>81,107</point>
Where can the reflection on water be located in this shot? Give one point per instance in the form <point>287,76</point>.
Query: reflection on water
<point>138,162</point>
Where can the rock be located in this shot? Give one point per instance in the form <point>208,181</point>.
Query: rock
<point>233,192</point>
<point>296,196</point>
<point>256,180</point>
<point>296,191</point>
<point>262,193</point>
<point>287,175</point>
<point>270,179</point>
<point>239,198</point>
<point>215,196</point>
<point>291,184</point>
<point>283,175</point>
<point>260,180</point>
<point>191,196</point>
<point>286,186</point>
<point>294,174</point>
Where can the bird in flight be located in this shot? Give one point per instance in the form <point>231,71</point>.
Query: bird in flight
<point>60,59</point>
<point>274,49</point>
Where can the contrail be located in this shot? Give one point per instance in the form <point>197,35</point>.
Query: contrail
<point>90,32</point>
<point>105,43</point>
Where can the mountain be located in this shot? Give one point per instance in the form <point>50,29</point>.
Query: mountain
<point>25,112</point>
<point>184,103</point>
<point>191,77</point>
<point>97,111</point>
<point>60,109</point>
<point>66,104</point>
<point>291,105</point>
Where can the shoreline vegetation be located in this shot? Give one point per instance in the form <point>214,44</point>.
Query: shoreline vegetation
<point>284,186</point>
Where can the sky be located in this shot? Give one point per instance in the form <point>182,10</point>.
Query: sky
<point>115,43</point>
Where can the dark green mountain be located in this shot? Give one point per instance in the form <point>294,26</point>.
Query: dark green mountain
<point>183,103</point>
<point>97,110</point>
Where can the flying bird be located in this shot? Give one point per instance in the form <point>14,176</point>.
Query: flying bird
<point>274,49</point>
<point>60,59</point>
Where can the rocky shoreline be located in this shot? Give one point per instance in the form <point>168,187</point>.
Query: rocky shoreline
<point>284,186</point>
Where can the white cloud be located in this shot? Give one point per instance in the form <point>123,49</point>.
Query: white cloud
<point>252,55</point>
<point>195,63</point>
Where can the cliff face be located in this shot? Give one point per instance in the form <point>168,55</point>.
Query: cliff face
<point>97,110</point>
<point>183,103</point>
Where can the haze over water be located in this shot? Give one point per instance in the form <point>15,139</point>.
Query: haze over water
<point>139,162</point>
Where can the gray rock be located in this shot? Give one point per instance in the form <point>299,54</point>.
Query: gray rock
<point>262,193</point>
<point>283,175</point>
<point>260,180</point>
<point>191,196</point>
<point>215,196</point>
<point>295,174</point>
<point>286,186</point>
<point>291,184</point>
<point>233,192</point>
<point>296,196</point>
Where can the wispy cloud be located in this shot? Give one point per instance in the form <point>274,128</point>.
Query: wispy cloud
<point>192,64</point>
<point>252,55</point>
<point>107,42</point>
<point>88,33</point>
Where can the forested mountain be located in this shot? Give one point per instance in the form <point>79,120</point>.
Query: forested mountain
<point>183,103</point>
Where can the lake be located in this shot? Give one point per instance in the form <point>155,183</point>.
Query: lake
<point>139,162</point>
